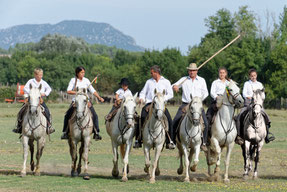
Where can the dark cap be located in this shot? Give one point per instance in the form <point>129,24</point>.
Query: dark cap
<point>124,81</point>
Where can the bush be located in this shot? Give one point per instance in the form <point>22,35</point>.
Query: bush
<point>7,93</point>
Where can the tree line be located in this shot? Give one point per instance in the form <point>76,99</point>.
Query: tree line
<point>58,56</point>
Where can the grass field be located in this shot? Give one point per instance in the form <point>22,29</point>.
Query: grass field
<point>55,162</point>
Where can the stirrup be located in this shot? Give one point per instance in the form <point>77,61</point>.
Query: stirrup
<point>170,146</point>
<point>65,136</point>
<point>239,140</point>
<point>203,147</point>
<point>137,144</point>
<point>97,137</point>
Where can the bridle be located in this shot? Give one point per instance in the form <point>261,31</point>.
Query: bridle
<point>79,121</point>
<point>190,118</point>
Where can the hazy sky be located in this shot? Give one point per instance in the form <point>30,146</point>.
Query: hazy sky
<point>154,24</point>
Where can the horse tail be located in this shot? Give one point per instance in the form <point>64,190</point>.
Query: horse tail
<point>123,150</point>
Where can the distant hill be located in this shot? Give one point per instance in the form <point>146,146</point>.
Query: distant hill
<point>91,32</point>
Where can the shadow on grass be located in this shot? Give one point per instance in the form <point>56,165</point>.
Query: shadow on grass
<point>140,177</point>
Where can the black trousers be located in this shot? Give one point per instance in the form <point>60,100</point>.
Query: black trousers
<point>70,112</point>
<point>178,117</point>
<point>47,112</point>
<point>144,114</point>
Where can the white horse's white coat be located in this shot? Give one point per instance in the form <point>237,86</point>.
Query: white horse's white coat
<point>254,135</point>
<point>190,137</point>
<point>121,130</point>
<point>33,128</point>
<point>81,127</point>
<point>223,130</point>
<point>154,134</point>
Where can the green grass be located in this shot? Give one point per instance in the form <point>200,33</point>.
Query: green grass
<point>55,162</point>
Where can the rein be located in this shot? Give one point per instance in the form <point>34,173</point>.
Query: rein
<point>126,127</point>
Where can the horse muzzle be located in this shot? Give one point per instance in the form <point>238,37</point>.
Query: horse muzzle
<point>33,110</point>
<point>196,121</point>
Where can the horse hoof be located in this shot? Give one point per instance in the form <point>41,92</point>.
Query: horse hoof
<point>74,173</point>
<point>23,174</point>
<point>157,172</point>
<point>152,181</point>
<point>245,176</point>
<point>194,179</point>
<point>186,180</point>
<point>115,173</point>
<point>124,179</point>
<point>226,181</point>
<point>79,170</point>
<point>86,176</point>
<point>32,167</point>
<point>179,171</point>
<point>37,173</point>
<point>254,177</point>
<point>193,168</point>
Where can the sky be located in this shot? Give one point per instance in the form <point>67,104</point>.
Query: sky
<point>154,24</point>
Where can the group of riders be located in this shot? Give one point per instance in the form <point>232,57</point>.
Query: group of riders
<point>192,85</point>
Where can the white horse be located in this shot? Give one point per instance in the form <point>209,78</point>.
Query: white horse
<point>190,137</point>
<point>33,128</point>
<point>81,128</point>
<point>154,133</point>
<point>223,130</point>
<point>121,130</point>
<point>255,133</point>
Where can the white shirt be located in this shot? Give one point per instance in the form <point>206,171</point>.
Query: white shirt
<point>250,86</point>
<point>123,93</point>
<point>84,83</point>
<point>147,93</point>
<point>46,89</point>
<point>217,88</point>
<point>196,87</point>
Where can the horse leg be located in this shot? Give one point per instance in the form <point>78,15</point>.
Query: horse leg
<point>85,152</point>
<point>73,153</point>
<point>196,158</point>
<point>186,160</point>
<point>115,171</point>
<point>147,159</point>
<point>25,154</point>
<point>126,161</point>
<point>259,147</point>
<point>180,153</point>
<point>81,150</point>
<point>31,146</point>
<point>40,148</point>
<point>227,160</point>
<point>208,161</point>
<point>247,159</point>
<point>155,163</point>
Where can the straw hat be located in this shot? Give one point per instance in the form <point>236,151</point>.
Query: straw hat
<point>192,66</point>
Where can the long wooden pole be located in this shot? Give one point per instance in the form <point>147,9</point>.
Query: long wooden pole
<point>219,51</point>
<point>214,56</point>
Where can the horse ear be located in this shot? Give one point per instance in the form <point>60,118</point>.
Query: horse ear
<point>84,90</point>
<point>155,91</point>
<point>77,89</point>
<point>163,92</point>
<point>40,87</point>
<point>136,95</point>
<point>190,96</point>
<point>30,86</point>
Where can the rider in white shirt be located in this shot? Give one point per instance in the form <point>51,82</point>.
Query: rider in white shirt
<point>121,93</point>
<point>191,85</point>
<point>45,91</point>
<point>159,83</point>
<point>248,88</point>
<point>81,82</point>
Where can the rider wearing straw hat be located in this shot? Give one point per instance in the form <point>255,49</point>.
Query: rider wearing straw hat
<point>191,85</point>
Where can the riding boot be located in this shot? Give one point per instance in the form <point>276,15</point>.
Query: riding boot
<point>68,115</point>
<point>96,129</point>
<point>138,141</point>
<point>18,128</point>
<point>269,136</point>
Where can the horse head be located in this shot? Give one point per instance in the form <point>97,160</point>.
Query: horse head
<point>195,109</point>
<point>257,102</point>
<point>81,102</point>
<point>233,94</point>
<point>159,104</point>
<point>129,108</point>
<point>34,99</point>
